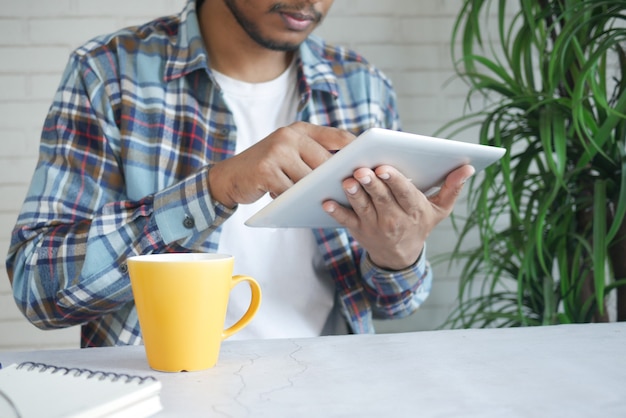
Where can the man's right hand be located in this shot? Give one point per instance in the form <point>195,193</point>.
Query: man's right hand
<point>275,163</point>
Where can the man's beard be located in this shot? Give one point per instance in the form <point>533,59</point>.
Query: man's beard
<point>255,34</point>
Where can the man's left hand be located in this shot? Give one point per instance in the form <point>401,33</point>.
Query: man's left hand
<point>390,217</point>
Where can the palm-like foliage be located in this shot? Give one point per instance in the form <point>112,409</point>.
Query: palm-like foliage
<point>550,215</point>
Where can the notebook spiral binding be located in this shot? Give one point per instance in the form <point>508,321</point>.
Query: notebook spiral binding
<point>79,372</point>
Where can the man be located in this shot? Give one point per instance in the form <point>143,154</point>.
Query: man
<point>168,136</point>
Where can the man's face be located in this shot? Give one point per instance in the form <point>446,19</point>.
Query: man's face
<point>279,25</point>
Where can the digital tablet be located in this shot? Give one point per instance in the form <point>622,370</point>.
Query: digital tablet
<point>425,160</point>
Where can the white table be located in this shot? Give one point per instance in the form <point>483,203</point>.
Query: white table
<point>558,371</point>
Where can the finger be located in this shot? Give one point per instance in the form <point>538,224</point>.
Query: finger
<point>281,183</point>
<point>452,187</point>
<point>328,137</point>
<point>403,191</point>
<point>344,216</point>
<point>293,151</point>
<point>378,191</point>
<point>314,144</point>
<point>358,194</point>
<point>296,169</point>
<point>360,206</point>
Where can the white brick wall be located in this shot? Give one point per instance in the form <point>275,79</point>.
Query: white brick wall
<point>408,39</point>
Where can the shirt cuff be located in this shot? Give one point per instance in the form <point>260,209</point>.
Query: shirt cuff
<point>394,281</point>
<point>187,208</point>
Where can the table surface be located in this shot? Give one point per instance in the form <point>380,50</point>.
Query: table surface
<point>565,370</point>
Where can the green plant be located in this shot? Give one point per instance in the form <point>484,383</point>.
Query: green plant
<point>551,83</point>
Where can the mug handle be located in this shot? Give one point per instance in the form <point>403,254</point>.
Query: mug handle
<point>255,302</point>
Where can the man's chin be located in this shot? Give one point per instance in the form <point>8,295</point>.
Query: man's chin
<point>278,45</point>
<point>283,47</point>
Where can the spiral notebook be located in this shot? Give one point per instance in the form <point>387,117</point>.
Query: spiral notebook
<point>40,390</point>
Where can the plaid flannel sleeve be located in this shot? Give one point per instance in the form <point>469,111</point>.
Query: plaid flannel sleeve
<point>77,226</point>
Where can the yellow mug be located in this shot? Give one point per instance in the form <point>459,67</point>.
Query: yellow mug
<point>181,301</point>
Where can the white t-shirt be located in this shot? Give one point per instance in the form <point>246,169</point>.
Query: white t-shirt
<point>298,292</point>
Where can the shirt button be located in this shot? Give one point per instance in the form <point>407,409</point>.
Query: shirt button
<point>188,222</point>
<point>225,131</point>
<point>124,268</point>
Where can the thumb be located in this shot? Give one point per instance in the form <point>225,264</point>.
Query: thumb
<point>452,187</point>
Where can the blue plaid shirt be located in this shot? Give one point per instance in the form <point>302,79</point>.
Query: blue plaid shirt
<point>137,122</point>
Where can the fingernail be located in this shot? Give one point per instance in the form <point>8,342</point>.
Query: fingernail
<point>352,190</point>
<point>384,176</point>
<point>330,208</point>
<point>365,180</point>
